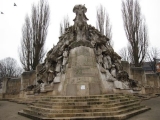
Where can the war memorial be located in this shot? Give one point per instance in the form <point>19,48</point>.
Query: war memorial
<point>82,77</point>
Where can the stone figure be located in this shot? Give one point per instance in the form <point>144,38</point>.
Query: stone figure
<point>109,61</point>
<point>99,56</point>
<point>57,78</point>
<point>42,86</point>
<point>80,22</point>
<point>50,77</point>
<point>65,59</point>
<point>109,48</point>
<point>47,64</point>
<point>104,49</point>
<point>109,77</point>
<point>117,61</point>
<point>117,65</point>
<point>94,38</point>
<point>59,64</point>
<point>113,71</point>
<point>105,62</point>
<point>100,59</point>
<point>51,74</point>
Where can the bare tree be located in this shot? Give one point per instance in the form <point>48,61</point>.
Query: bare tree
<point>26,49</point>
<point>40,23</point>
<point>64,24</point>
<point>124,53</point>
<point>9,68</point>
<point>136,31</point>
<point>34,35</point>
<point>103,23</point>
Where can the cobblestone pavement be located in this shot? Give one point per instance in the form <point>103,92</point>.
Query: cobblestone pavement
<point>9,111</point>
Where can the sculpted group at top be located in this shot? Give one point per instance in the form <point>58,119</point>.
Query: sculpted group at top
<point>82,34</point>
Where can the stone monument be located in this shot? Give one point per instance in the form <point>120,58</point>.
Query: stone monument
<point>77,73</point>
<point>83,63</point>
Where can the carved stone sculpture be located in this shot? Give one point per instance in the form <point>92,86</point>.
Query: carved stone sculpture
<point>59,64</point>
<point>113,71</point>
<point>106,62</point>
<point>80,22</point>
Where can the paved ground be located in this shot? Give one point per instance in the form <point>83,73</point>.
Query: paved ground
<point>9,111</point>
<point>153,114</point>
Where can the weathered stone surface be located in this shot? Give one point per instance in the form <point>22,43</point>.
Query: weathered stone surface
<point>11,86</point>
<point>71,90</point>
<point>28,78</point>
<point>82,72</point>
<point>138,74</point>
<point>94,88</point>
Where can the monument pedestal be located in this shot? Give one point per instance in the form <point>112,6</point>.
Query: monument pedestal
<point>82,75</point>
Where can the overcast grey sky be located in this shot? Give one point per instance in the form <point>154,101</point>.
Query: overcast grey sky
<point>13,18</point>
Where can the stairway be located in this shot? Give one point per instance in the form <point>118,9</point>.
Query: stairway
<point>28,100</point>
<point>96,107</point>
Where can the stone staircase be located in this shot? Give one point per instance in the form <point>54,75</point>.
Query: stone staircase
<point>27,100</point>
<point>96,107</point>
<point>146,96</point>
<point>23,100</point>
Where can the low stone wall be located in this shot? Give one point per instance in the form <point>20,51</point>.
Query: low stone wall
<point>152,90</point>
<point>13,86</point>
<point>150,82</point>
<point>10,87</point>
<point>138,74</point>
<point>28,78</point>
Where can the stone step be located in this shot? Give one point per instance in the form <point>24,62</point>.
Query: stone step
<point>83,102</point>
<point>88,107</point>
<point>113,117</point>
<point>23,100</point>
<point>104,113</point>
<point>75,100</point>
<point>83,99</point>
<point>106,95</point>
<point>84,105</point>
<point>34,108</point>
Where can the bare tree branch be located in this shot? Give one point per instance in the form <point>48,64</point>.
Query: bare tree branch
<point>9,68</point>
<point>25,51</point>
<point>64,24</point>
<point>34,33</point>
<point>136,31</point>
<point>103,23</point>
<point>124,53</point>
